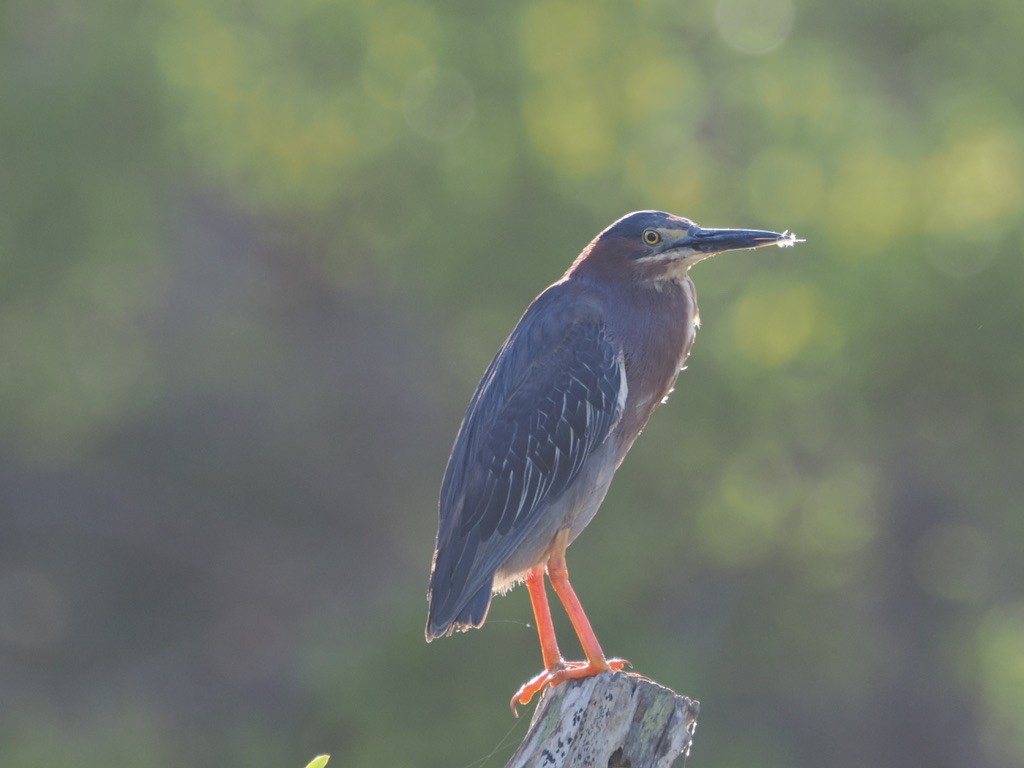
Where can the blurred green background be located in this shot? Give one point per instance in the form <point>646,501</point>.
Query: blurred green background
<point>255,255</point>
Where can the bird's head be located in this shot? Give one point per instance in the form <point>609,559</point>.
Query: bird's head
<point>652,246</point>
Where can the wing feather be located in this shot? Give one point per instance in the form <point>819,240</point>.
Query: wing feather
<point>549,398</point>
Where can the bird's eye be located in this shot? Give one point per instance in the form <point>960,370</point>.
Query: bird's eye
<point>651,237</point>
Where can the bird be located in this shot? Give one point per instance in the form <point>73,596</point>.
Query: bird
<point>553,417</point>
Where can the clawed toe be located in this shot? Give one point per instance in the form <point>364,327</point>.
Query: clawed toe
<point>564,670</point>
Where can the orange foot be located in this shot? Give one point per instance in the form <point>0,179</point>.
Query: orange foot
<point>562,671</point>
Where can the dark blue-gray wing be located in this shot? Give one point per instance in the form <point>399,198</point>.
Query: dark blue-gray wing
<point>549,399</point>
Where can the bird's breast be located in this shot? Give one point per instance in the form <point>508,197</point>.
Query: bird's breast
<point>660,329</point>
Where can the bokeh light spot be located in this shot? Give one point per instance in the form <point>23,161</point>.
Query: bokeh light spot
<point>569,126</point>
<point>756,497</point>
<point>977,180</point>
<point>869,202</point>
<point>838,515</point>
<point>1000,644</point>
<point>773,324</point>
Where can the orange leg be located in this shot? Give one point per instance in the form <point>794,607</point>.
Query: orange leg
<point>559,575</point>
<point>542,615</point>
<point>556,670</point>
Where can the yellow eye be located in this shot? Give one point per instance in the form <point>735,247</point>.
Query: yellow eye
<point>651,236</point>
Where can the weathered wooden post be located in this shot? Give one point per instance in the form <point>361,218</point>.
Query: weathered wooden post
<point>612,720</point>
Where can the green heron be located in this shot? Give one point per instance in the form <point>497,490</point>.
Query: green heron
<point>553,417</point>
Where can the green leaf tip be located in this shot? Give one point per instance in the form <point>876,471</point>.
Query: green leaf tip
<point>319,761</point>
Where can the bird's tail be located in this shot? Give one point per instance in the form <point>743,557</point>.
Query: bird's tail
<point>448,614</point>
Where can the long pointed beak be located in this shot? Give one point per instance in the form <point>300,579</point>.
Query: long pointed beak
<point>710,241</point>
